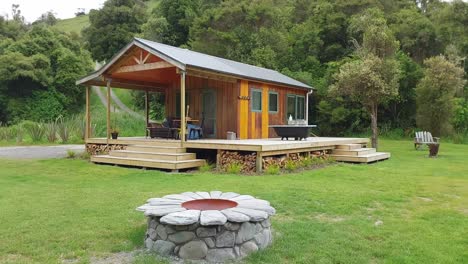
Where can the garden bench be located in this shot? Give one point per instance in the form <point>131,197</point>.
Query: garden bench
<point>424,138</point>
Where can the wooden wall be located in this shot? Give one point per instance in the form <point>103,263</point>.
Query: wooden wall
<point>255,124</point>
<point>280,118</point>
<point>226,99</point>
<point>233,106</point>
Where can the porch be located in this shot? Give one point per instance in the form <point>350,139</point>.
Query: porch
<point>176,155</point>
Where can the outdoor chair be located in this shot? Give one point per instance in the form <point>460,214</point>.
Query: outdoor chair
<point>162,130</point>
<point>424,138</point>
<point>196,132</point>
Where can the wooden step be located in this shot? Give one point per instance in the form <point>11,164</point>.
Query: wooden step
<point>364,158</point>
<point>164,143</point>
<point>348,146</point>
<point>156,149</point>
<point>149,163</point>
<point>152,155</point>
<point>354,152</point>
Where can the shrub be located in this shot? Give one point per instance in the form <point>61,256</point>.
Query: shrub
<point>460,138</point>
<point>85,155</point>
<point>206,167</point>
<point>234,168</point>
<point>71,154</point>
<point>316,161</point>
<point>329,159</point>
<point>306,162</point>
<point>18,132</point>
<point>273,169</point>
<point>51,131</point>
<point>64,129</point>
<point>290,165</point>
<point>6,133</point>
<point>79,125</point>
<point>35,130</point>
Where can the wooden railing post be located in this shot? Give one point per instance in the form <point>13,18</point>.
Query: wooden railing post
<point>182,108</point>
<point>108,110</point>
<point>88,113</point>
<point>147,110</point>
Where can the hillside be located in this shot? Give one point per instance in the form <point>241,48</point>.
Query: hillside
<point>76,24</point>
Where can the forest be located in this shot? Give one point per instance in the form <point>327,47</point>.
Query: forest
<point>401,60</point>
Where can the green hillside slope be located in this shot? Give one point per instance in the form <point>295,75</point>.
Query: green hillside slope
<point>75,24</point>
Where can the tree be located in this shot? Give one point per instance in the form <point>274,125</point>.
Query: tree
<point>170,21</point>
<point>38,72</point>
<point>253,32</point>
<point>400,112</point>
<point>372,78</point>
<point>113,26</point>
<point>435,94</point>
<point>47,18</point>
<point>12,28</point>
<point>416,34</point>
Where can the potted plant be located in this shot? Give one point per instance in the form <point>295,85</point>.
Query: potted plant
<point>114,130</point>
<point>114,133</point>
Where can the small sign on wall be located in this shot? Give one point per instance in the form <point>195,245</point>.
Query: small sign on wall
<point>240,97</point>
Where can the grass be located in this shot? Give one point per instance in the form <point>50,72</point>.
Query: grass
<point>67,209</point>
<point>75,24</point>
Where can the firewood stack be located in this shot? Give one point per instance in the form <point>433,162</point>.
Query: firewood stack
<point>100,149</point>
<point>246,159</point>
<point>281,160</point>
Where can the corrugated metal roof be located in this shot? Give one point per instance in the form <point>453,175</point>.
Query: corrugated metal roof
<point>220,65</point>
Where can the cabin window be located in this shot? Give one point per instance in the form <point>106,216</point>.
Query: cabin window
<point>295,106</point>
<point>256,99</point>
<point>273,102</point>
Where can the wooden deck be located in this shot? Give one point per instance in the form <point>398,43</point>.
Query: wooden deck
<point>269,146</point>
<point>170,154</point>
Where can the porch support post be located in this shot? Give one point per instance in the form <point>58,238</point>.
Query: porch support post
<point>108,110</point>
<point>307,106</point>
<point>182,107</point>
<point>259,162</point>
<point>147,110</point>
<point>88,113</point>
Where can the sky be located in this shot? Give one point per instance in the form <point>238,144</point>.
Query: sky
<point>33,9</point>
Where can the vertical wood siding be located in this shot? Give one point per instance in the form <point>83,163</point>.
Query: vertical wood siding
<point>226,102</point>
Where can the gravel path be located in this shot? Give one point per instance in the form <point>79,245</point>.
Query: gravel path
<point>39,152</point>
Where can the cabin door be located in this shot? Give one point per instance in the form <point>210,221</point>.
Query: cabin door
<point>209,113</point>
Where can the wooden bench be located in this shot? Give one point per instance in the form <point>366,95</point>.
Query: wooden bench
<point>156,130</point>
<point>424,138</point>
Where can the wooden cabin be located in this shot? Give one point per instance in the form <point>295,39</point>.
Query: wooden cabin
<point>222,96</point>
<point>226,95</point>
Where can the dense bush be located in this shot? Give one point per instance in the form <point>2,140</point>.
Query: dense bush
<point>38,72</point>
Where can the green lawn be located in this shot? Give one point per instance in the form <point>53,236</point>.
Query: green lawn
<point>55,210</point>
<point>75,24</point>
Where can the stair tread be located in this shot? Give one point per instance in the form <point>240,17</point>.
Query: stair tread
<point>157,153</point>
<point>364,156</point>
<point>149,160</point>
<point>156,147</point>
<point>354,150</point>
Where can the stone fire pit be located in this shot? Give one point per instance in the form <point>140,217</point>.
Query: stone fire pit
<point>212,226</point>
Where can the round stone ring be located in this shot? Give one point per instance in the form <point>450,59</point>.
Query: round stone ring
<point>211,226</point>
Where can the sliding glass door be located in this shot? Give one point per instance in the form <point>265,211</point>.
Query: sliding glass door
<point>295,106</point>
